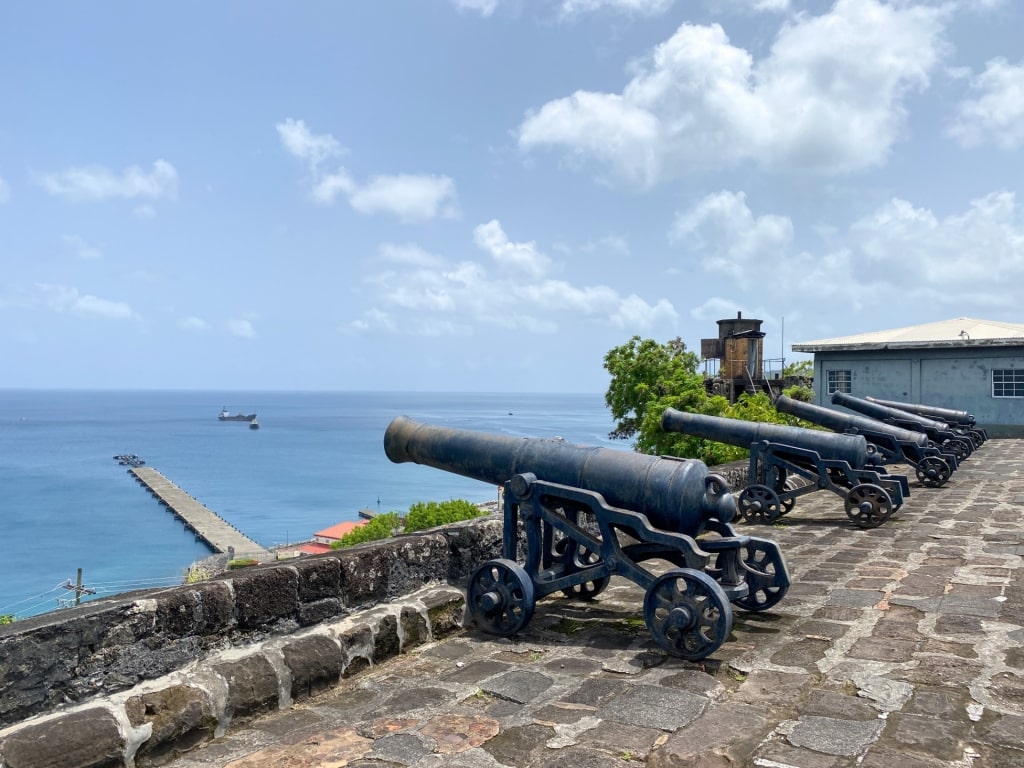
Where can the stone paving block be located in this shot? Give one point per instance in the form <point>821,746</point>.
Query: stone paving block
<point>933,737</point>
<point>834,736</point>
<point>520,686</point>
<point>654,707</point>
<point>731,731</point>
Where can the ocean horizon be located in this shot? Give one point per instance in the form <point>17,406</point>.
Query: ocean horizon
<point>317,460</point>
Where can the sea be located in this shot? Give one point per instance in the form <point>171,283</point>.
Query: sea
<point>67,504</point>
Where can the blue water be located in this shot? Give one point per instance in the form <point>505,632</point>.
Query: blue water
<point>316,460</point>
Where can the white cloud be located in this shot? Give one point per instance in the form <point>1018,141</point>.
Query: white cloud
<point>759,6</point>
<point>82,249</point>
<point>241,327</point>
<point>997,113</point>
<point>898,255</point>
<point>63,298</point>
<point>95,183</point>
<point>639,7</point>
<point>5,191</point>
<point>484,7</point>
<point>732,240</point>
<point>305,145</point>
<point>512,291</point>
<point>518,258</point>
<point>406,196</point>
<point>410,197</point>
<point>828,98</point>
<point>192,323</point>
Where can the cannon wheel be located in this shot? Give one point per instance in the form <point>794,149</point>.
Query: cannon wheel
<point>500,597</point>
<point>780,481</point>
<point>868,505</point>
<point>759,504</point>
<point>765,564</point>
<point>959,448</point>
<point>687,613</point>
<point>932,471</point>
<point>588,590</point>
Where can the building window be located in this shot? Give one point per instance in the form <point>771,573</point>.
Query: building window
<point>839,381</point>
<point>1007,382</point>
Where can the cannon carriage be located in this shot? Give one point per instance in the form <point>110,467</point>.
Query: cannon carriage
<point>959,421</point>
<point>939,432</point>
<point>932,466</point>
<point>780,454</point>
<point>586,514</point>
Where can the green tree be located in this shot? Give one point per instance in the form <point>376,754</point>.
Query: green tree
<point>6,618</point>
<point>430,514</point>
<point>380,527</point>
<point>648,377</point>
<point>801,368</point>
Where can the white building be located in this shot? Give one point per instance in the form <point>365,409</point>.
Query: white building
<point>965,364</point>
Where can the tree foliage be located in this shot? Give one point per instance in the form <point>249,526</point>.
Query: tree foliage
<point>430,514</point>
<point>800,369</point>
<point>380,527</point>
<point>6,618</point>
<point>648,377</point>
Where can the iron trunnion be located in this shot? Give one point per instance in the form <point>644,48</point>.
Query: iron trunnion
<point>590,513</point>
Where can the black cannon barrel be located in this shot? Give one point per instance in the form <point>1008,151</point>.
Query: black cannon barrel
<point>883,412</point>
<point>852,449</point>
<point>846,422</point>
<point>674,494</point>
<point>948,415</point>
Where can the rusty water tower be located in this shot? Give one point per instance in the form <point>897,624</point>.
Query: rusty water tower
<point>739,349</point>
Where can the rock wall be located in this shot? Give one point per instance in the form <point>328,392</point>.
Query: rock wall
<point>67,657</point>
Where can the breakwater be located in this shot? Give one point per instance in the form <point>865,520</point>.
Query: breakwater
<point>207,525</point>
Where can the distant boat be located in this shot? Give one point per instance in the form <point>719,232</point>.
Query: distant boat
<point>226,416</point>
<point>254,424</point>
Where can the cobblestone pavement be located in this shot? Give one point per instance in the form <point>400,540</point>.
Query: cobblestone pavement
<point>898,646</point>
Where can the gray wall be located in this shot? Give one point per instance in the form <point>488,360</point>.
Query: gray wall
<point>949,378</point>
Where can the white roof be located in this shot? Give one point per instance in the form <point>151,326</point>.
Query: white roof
<point>959,332</point>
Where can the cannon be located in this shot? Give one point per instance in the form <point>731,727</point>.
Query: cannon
<point>959,421</point>
<point>896,445</point>
<point>590,513</point>
<point>843,464</point>
<point>938,432</point>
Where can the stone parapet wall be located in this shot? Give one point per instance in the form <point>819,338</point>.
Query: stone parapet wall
<point>65,658</point>
<point>156,721</point>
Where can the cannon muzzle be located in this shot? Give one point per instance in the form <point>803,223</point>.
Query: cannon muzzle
<point>853,449</point>
<point>677,495</point>
<point>848,422</point>
<point>948,415</point>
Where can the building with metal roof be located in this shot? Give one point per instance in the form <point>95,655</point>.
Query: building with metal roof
<point>964,363</point>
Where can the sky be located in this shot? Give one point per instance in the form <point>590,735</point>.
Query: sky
<point>489,195</point>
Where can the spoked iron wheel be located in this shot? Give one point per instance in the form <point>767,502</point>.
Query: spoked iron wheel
<point>500,597</point>
<point>959,448</point>
<point>932,471</point>
<point>868,505</point>
<point>588,590</point>
<point>766,565</point>
<point>687,613</point>
<point>759,504</point>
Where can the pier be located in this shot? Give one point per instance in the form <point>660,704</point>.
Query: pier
<point>207,525</point>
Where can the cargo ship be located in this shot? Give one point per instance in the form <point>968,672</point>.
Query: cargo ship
<point>225,415</point>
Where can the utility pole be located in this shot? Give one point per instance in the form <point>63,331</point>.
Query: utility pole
<point>78,589</point>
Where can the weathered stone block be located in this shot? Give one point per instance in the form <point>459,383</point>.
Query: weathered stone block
<point>356,648</point>
<point>181,718</point>
<point>252,685</point>
<point>266,595</point>
<point>319,578</point>
<point>385,640</point>
<point>315,662</point>
<point>446,609</point>
<point>86,739</point>
<point>414,628</point>
<point>200,609</point>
